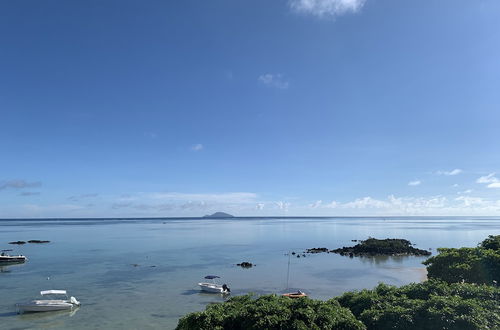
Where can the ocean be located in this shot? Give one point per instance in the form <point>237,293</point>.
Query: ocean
<point>143,273</point>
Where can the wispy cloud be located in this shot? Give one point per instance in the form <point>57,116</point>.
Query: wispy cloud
<point>490,179</point>
<point>77,198</point>
<point>275,80</point>
<point>283,205</point>
<point>414,183</point>
<point>316,204</point>
<point>234,197</point>
<point>29,193</point>
<point>365,202</point>
<point>188,203</point>
<point>393,204</point>
<point>260,206</point>
<point>197,147</point>
<point>18,184</point>
<point>468,191</point>
<point>326,8</point>
<point>469,201</point>
<point>452,172</point>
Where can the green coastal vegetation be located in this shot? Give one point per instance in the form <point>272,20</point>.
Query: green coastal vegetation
<point>473,265</point>
<point>461,293</point>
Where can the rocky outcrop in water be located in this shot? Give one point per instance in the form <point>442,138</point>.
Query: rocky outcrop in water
<point>245,264</point>
<point>317,250</point>
<point>388,247</point>
<point>18,242</point>
<point>375,247</point>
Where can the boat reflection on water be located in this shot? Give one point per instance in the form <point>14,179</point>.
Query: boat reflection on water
<point>4,267</point>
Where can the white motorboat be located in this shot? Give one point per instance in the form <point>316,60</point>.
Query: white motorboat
<point>48,305</point>
<point>213,287</point>
<point>6,258</point>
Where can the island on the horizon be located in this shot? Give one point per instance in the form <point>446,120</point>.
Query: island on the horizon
<point>219,215</point>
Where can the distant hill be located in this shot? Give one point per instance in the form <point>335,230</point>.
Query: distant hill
<point>219,215</point>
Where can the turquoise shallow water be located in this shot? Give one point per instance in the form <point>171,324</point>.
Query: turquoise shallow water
<point>94,260</point>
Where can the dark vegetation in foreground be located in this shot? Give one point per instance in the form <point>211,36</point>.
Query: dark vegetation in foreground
<point>460,294</point>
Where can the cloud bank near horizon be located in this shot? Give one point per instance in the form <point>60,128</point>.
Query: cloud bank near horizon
<point>251,204</point>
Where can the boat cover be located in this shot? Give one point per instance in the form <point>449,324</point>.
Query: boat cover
<point>52,292</point>
<point>211,277</point>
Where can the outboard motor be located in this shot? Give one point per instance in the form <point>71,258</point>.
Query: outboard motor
<point>74,301</point>
<point>225,288</point>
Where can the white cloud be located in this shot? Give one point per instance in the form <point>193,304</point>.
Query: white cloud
<point>197,147</point>
<point>236,197</point>
<point>452,172</point>
<point>332,205</point>
<point>315,205</point>
<point>274,80</point>
<point>260,206</point>
<point>468,191</point>
<point>456,185</point>
<point>414,183</point>
<point>392,205</point>
<point>283,205</point>
<point>366,202</point>
<point>471,201</point>
<point>326,8</point>
<point>490,178</point>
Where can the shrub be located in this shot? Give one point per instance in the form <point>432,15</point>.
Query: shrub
<point>272,312</point>
<point>474,265</point>
<point>429,305</point>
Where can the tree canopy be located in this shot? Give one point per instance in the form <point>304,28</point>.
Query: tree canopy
<point>474,265</point>
<point>272,312</point>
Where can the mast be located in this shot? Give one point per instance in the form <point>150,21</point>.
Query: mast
<point>288,270</point>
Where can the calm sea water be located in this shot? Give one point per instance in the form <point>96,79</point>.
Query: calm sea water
<point>142,274</point>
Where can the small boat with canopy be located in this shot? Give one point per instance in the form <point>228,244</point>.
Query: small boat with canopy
<point>58,301</point>
<point>5,258</point>
<point>213,286</point>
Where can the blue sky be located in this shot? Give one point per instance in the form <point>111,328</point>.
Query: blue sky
<point>282,107</point>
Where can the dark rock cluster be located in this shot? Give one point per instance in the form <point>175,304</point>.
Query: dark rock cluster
<point>374,247</point>
<point>34,241</point>
<point>388,246</point>
<point>245,264</point>
<point>18,242</point>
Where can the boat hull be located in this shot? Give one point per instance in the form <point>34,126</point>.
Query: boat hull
<point>45,308</point>
<point>9,260</point>
<point>295,295</point>
<point>211,288</point>
<point>48,305</point>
